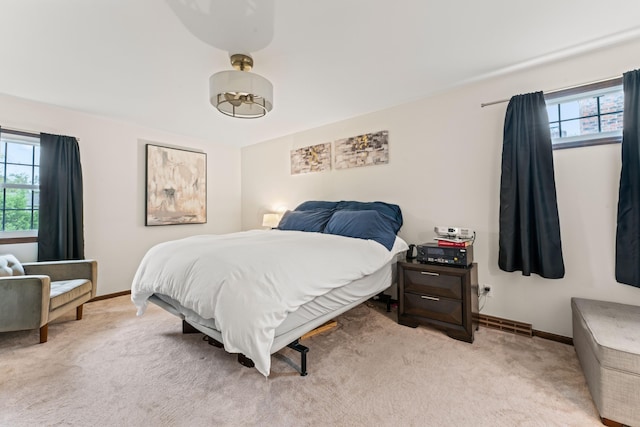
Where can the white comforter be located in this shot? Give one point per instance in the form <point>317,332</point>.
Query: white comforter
<point>249,281</point>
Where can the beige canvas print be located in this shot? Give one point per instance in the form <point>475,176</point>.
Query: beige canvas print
<point>362,150</point>
<point>315,158</point>
<point>176,186</point>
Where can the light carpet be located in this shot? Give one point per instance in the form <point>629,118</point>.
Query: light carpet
<point>115,369</point>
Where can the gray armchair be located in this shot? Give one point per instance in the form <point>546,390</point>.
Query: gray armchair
<point>45,291</point>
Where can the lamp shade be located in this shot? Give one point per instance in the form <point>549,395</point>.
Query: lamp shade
<point>270,220</point>
<point>241,94</point>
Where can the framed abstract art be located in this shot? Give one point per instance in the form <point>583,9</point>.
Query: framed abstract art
<point>176,186</point>
<point>362,150</point>
<point>314,158</point>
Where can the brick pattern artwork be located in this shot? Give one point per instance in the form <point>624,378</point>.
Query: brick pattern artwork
<point>314,158</point>
<point>362,150</point>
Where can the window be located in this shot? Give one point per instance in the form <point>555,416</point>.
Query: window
<point>586,115</point>
<point>19,182</point>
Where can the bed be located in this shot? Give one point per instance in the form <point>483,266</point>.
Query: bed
<point>256,292</point>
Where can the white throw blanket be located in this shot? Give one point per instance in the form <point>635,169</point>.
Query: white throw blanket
<point>249,281</point>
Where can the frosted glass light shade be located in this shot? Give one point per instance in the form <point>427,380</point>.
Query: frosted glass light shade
<point>241,94</point>
<point>270,220</point>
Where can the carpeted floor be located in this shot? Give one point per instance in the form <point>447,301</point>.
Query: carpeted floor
<point>113,369</point>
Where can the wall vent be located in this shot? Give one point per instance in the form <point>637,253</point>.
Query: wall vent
<point>518,328</point>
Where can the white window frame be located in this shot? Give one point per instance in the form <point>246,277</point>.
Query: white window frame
<point>26,138</point>
<point>581,92</point>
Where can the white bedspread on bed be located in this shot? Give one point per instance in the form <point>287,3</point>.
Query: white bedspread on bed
<point>249,281</point>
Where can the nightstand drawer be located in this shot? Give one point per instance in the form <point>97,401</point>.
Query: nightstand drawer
<point>433,283</point>
<point>443,309</point>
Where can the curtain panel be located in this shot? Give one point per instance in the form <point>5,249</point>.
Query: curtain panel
<point>529,235</point>
<point>628,228</point>
<point>61,227</point>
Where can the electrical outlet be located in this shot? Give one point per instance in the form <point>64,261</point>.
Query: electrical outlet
<point>488,291</point>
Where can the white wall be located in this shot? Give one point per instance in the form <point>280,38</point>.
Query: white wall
<point>444,169</point>
<point>113,161</point>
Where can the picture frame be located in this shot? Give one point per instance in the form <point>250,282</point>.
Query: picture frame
<point>369,149</point>
<point>176,186</point>
<point>313,158</point>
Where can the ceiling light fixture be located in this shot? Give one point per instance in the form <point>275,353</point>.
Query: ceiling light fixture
<point>239,93</point>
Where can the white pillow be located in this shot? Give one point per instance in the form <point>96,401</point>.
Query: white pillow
<point>10,266</point>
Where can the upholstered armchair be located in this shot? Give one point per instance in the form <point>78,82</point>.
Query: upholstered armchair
<point>33,294</point>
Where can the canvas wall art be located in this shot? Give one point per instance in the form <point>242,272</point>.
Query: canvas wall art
<point>362,150</point>
<point>176,190</point>
<point>315,158</point>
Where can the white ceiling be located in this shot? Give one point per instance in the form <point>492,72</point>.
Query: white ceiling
<point>328,60</point>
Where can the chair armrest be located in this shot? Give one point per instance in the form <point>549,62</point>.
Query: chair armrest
<point>24,302</point>
<point>66,270</point>
<point>63,270</point>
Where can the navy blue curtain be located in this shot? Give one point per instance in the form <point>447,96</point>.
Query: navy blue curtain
<point>628,229</point>
<point>529,236</point>
<point>61,227</point>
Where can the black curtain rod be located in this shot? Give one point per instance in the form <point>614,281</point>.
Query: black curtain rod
<point>555,91</point>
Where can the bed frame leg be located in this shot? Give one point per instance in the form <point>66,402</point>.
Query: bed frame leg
<point>385,299</point>
<point>303,355</point>
<point>245,361</point>
<point>214,342</point>
<point>188,329</point>
<point>242,359</point>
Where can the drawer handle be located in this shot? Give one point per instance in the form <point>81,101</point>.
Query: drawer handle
<point>429,273</point>
<point>429,298</point>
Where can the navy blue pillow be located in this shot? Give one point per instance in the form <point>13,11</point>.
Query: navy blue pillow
<point>389,211</point>
<point>362,225</point>
<point>312,220</point>
<point>316,204</point>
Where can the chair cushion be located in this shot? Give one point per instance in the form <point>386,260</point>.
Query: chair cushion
<point>64,291</point>
<point>10,266</point>
<point>614,332</point>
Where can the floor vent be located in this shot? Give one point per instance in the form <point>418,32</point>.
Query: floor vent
<point>506,325</point>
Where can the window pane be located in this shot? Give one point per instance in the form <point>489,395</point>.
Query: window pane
<point>570,128</point>
<point>569,110</point>
<point>611,122</point>
<point>588,106</point>
<point>612,102</point>
<point>19,153</point>
<point>30,199</point>
<point>580,127</point>
<point>589,126</point>
<point>19,174</point>
<point>552,111</point>
<point>555,130</point>
<point>17,220</point>
<point>579,108</point>
<point>36,218</point>
<point>17,198</point>
<point>19,206</point>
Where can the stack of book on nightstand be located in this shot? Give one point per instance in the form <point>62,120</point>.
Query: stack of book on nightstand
<point>456,242</point>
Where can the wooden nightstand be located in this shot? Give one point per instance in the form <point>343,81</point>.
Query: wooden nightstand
<point>440,296</point>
